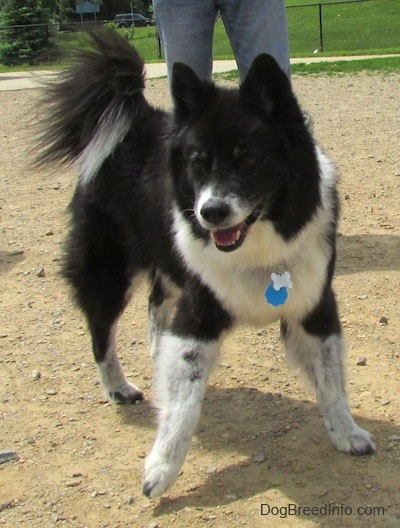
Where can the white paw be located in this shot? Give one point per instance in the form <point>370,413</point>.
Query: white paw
<point>126,393</point>
<point>158,475</point>
<point>357,442</point>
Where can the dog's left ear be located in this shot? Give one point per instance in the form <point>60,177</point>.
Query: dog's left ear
<point>189,92</point>
<point>268,88</point>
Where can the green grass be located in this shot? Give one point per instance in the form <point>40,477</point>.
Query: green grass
<point>379,65</point>
<point>144,39</point>
<point>350,28</point>
<point>383,65</point>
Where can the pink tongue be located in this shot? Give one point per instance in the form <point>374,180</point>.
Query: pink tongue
<point>228,237</point>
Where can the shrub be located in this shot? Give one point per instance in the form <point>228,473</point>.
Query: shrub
<point>29,44</point>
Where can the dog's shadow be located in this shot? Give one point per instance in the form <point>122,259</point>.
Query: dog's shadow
<point>260,442</point>
<point>9,259</point>
<point>357,253</point>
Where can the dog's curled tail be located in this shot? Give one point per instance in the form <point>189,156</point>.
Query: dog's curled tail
<point>91,106</point>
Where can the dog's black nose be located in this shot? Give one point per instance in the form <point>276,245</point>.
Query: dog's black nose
<point>215,211</point>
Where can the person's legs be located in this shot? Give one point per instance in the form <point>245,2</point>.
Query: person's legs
<point>254,27</point>
<point>186,29</point>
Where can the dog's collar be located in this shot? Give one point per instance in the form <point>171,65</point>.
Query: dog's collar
<point>277,292</point>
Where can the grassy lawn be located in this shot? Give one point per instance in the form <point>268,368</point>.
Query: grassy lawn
<point>382,65</point>
<point>144,39</point>
<point>347,28</point>
<point>385,65</point>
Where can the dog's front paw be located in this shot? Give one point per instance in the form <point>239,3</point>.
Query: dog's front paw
<point>361,443</point>
<point>158,475</point>
<point>358,442</point>
<point>127,393</point>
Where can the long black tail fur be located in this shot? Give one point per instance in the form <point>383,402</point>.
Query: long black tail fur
<point>101,92</point>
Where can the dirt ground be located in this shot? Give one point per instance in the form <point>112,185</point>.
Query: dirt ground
<point>261,444</point>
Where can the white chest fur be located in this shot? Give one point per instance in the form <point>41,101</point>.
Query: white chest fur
<point>239,279</point>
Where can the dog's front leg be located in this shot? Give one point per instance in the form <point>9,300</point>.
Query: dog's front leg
<point>186,356</point>
<point>317,346</point>
<point>183,367</point>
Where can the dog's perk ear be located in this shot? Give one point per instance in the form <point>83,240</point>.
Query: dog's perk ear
<point>268,88</point>
<point>190,94</point>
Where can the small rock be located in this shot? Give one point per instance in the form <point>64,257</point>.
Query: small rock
<point>323,492</point>
<point>362,297</point>
<point>225,365</point>
<point>211,470</point>
<point>36,375</point>
<point>193,487</point>
<point>130,500</point>
<point>259,458</point>
<point>41,273</point>
<point>385,402</point>
<point>383,321</point>
<point>361,362</point>
<point>231,497</point>
<point>152,525</point>
<point>7,505</point>
<point>51,392</point>
<point>7,455</point>
<point>73,483</point>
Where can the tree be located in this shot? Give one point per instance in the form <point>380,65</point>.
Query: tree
<point>60,10</point>
<point>25,45</point>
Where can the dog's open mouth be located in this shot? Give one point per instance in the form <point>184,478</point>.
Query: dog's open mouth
<point>233,237</point>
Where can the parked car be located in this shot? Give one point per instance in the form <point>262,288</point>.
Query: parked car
<point>132,19</point>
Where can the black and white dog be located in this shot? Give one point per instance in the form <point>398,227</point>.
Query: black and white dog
<point>228,201</point>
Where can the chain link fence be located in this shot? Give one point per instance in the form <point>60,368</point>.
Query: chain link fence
<point>356,26</point>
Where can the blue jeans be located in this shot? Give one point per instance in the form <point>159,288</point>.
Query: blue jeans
<point>186,29</point>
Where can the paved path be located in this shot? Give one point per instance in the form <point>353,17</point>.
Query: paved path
<point>29,80</point>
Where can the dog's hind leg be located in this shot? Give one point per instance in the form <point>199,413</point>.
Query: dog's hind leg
<point>97,266</point>
<point>317,346</point>
<point>116,387</point>
<point>187,353</point>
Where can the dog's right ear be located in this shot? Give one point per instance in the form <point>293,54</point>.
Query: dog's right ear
<point>268,88</point>
<point>190,94</point>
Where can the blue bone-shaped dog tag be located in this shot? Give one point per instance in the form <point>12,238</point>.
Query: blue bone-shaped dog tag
<point>277,293</point>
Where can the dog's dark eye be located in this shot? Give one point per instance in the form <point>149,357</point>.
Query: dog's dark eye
<point>198,160</point>
<point>243,155</point>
